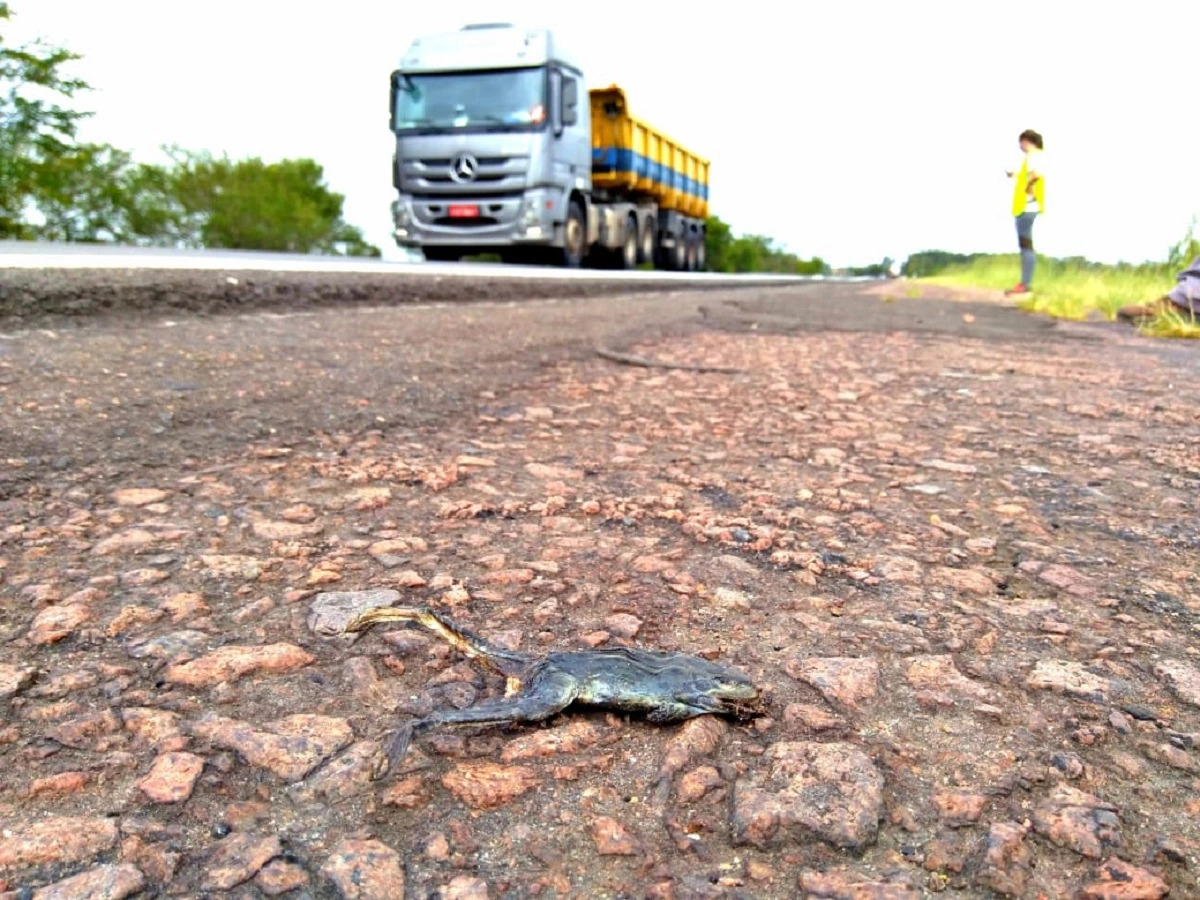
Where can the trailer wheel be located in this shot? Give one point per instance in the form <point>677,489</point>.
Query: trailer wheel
<point>646,242</point>
<point>574,236</point>
<point>628,258</point>
<point>679,254</point>
<point>701,252</point>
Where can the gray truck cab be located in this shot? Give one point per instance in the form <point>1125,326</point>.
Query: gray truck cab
<point>493,146</point>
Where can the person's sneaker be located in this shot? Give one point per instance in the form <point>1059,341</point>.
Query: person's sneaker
<point>1147,310</point>
<point>1017,291</point>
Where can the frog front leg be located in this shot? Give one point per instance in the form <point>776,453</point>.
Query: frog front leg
<point>677,711</point>
<point>545,697</point>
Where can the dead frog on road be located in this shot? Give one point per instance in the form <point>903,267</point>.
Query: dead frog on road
<point>666,687</point>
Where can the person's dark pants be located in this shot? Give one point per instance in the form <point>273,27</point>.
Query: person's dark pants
<point>1025,242</point>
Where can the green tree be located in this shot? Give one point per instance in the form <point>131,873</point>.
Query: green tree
<point>718,237</point>
<point>36,129</point>
<point>249,204</point>
<point>729,253</point>
<point>85,195</point>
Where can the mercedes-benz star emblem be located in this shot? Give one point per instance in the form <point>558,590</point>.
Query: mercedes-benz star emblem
<point>463,167</point>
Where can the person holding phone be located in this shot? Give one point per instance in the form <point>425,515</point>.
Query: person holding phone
<point>1028,201</point>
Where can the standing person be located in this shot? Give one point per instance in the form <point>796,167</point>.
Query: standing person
<point>1029,199</point>
<point>1184,300</point>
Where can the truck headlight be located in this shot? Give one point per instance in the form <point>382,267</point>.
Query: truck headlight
<point>400,214</point>
<point>532,214</point>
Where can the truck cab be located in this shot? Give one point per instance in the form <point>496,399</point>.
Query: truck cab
<point>493,145</point>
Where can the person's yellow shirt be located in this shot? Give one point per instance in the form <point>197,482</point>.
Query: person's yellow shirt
<point>1032,164</point>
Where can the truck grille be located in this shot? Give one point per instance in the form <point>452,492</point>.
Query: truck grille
<point>493,172</point>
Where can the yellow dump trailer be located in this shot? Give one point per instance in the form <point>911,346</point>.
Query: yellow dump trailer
<point>633,159</point>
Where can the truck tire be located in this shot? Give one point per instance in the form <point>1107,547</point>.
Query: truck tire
<point>646,242</point>
<point>627,256</point>
<point>574,236</point>
<point>701,253</point>
<point>679,254</point>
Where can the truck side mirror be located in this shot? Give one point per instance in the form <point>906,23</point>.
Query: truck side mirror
<point>570,101</point>
<point>556,102</point>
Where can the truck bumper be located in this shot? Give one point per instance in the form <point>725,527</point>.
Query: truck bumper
<point>525,220</point>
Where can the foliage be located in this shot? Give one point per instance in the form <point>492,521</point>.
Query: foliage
<point>752,253</point>
<point>35,129</point>
<point>206,201</point>
<point>54,188</point>
<point>932,262</point>
<point>1071,288</point>
<point>874,270</point>
<point>84,195</point>
<point>1185,250</point>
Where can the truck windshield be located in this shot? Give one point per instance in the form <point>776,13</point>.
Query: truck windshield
<point>507,98</point>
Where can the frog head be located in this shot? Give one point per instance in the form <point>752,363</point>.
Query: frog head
<point>722,690</point>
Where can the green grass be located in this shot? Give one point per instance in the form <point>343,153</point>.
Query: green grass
<point>1066,289</point>
<point>1173,325</point>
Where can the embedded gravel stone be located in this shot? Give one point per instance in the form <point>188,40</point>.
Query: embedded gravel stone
<point>290,747</point>
<point>279,876</point>
<point>14,679</point>
<point>1070,678</point>
<point>1078,821</point>
<point>1120,880</point>
<point>61,839</point>
<point>569,738</point>
<point>1182,678</point>
<point>484,785</point>
<point>237,859</point>
<point>831,791</point>
<point>1007,860</point>
<point>935,673</point>
<point>850,886</point>
<point>135,496</point>
<point>331,610</point>
<point>172,777</point>
<point>343,777</point>
<point>232,662</point>
<point>110,882</point>
<point>847,680</point>
<point>612,838</point>
<point>365,870</point>
<point>959,808</point>
<point>54,623</point>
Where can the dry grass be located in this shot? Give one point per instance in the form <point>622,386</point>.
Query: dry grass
<point>1172,325</point>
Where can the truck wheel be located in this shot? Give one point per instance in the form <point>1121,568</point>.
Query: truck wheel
<point>646,242</point>
<point>679,254</point>
<point>701,253</point>
<point>574,237</point>
<point>629,250</point>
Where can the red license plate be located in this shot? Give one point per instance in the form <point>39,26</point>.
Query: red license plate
<point>463,211</point>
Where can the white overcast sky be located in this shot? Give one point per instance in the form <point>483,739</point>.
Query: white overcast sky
<point>848,130</point>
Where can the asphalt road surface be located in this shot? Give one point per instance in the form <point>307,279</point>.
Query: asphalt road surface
<point>953,544</point>
<point>46,255</point>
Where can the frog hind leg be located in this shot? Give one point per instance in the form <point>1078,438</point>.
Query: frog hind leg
<point>497,659</point>
<point>545,697</point>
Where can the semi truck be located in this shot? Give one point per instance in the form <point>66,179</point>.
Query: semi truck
<point>498,150</point>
